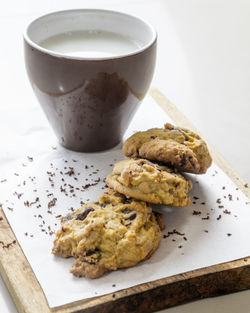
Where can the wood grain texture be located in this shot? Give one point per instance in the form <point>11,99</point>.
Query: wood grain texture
<point>205,282</point>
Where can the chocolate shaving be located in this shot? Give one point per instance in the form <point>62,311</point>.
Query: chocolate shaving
<point>174,232</point>
<point>70,172</point>
<point>196,212</point>
<point>206,218</point>
<point>8,245</point>
<point>52,203</point>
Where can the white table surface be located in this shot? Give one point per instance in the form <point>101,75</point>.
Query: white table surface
<point>203,67</point>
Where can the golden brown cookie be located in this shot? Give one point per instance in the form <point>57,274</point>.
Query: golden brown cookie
<point>115,232</point>
<point>147,181</point>
<point>175,146</point>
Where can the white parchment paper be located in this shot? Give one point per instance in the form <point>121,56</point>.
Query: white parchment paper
<point>40,180</point>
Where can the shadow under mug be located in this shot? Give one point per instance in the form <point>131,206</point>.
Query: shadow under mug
<point>89,102</point>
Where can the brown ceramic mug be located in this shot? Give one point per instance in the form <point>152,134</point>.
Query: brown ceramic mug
<point>89,101</point>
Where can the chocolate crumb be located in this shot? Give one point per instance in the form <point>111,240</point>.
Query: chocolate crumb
<point>113,295</point>
<point>223,187</point>
<point>228,234</point>
<point>114,285</point>
<point>180,246</point>
<point>196,198</point>
<point>11,209</point>
<point>1,218</point>
<point>246,185</point>
<point>3,181</point>
<point>218,201</point>
<point>30,158</point>
<point>206,231</point>
<point>227,212</point>
<point>230,197</point>
<point>203,203</point>
<point>185,238</point>
<point>19,195</point>
<point>221,206</point>
<point>26,234</point>
<point>219,217</point>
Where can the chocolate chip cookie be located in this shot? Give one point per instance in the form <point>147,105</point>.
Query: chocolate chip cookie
<point>147,181</point>
<point>115,232</point>
<point>175,146</point>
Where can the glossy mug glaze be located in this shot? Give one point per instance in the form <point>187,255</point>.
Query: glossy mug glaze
<point>89,102</point>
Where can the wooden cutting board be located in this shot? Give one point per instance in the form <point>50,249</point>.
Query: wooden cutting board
<point>206,282</point>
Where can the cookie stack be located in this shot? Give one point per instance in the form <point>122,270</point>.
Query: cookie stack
<point>120,229</point>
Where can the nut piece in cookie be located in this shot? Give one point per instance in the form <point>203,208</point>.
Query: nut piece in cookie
<point>144,180</point>
<point>178,147</point>
<point>115,232</point>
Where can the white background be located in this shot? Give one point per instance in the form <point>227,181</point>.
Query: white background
<point>203,67</point>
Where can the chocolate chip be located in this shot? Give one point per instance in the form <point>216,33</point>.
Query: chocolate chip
<point>183,159</point>
<point>83,215</point>
<point>91,252</point>
<point>126,211</point>
<point>131,217</point>
<point>92,256</point>
<point>182,132</point>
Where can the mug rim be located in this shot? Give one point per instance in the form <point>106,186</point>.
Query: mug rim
<point>80,58</point>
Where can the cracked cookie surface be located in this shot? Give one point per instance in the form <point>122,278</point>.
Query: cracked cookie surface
<point>147,181</point>
<point>115,232</point>
<point>176,146</point>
